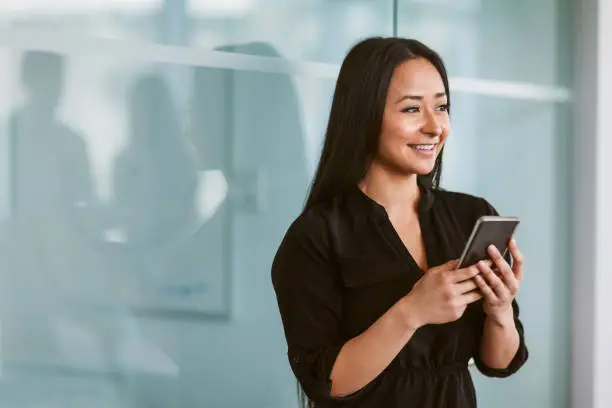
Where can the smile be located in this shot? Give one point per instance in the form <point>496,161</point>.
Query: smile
<point>426,147</point>
<point>424,150</point>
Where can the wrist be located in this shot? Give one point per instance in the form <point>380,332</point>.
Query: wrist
<point>503,319</point>
<point>409,313</point>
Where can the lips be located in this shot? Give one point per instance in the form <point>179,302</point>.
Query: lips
<point>425,150</point>
<point>423,147</point>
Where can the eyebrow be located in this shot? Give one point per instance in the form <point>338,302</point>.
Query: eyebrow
<point>419,97</point>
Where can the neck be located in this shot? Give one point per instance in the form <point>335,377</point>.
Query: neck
<point>398,193</point>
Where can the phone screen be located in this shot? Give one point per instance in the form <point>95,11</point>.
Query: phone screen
<point>490,230</point>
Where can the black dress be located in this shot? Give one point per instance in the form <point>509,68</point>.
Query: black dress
<point>342,265</point>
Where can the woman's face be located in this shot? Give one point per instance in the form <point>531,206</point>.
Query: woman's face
<point>415,123</point>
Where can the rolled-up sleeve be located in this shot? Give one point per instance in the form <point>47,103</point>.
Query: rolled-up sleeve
<point>520,358</point>
<point>522,354</point>
<point>306,285</point>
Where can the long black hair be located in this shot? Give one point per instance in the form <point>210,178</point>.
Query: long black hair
<point>355,120</point>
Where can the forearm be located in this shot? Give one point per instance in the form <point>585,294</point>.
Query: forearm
<point>364,357</point>
<point>500,341</point>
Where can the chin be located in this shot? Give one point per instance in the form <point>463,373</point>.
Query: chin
<point>414,170</point>
<point>407,167</point>
<point>422,169</point>
<point>423,172</point>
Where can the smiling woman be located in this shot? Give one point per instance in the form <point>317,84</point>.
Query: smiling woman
<point>375,311</point>
<point>415,123</point>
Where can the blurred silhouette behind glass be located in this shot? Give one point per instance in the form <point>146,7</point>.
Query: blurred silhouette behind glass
<point>157,190</point>
<point>51,164</point>
<point>267,133</point>
<point>155,178</point>
<point>248,125</point>
<point>61,309</point>
<point>52,195</point>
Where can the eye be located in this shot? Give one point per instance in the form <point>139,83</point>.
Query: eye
<point>411,109</point>
<point>443,108</point>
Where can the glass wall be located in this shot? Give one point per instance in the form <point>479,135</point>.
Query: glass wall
<point>153,153</point>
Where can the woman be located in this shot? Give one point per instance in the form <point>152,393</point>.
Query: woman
<point>374,310</point>
<point>156,174</point>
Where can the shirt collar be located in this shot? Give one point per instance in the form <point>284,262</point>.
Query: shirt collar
<point>366,205</point>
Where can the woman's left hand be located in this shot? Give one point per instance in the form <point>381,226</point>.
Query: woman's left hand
<point>499,287</point>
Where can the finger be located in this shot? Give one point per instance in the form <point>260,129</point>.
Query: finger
<point>506,273</point>
<point>488,262</point>
<point>487,292</point>
<point>501,265</point>
<point>463,274</point>
<point>470,297</point>
<point>466,286</point>
<point>493,281</point>
<point>509,279</point>
<point>517,256</point>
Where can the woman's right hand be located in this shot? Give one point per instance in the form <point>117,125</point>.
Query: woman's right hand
<point>442,295</point>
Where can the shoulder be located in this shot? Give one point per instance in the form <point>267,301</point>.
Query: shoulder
<point>463,203</point>
<point>311,232</point>
<point>305,252</point>
<point>314,223</point>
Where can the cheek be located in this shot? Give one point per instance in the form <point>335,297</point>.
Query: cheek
<point>445,133</point>
<point>392,140</point>
<point>399,129</point>
<point>407,125</point>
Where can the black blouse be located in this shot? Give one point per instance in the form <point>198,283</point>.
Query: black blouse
<point>341,265</point>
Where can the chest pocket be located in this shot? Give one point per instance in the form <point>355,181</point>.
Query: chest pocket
<point>371,287</point>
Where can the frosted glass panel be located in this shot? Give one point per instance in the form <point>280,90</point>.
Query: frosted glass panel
<point>144,218</point>
<point>141,203</point>
<point>514,154</point>
<point>318,30</point>
<point>495,39</point>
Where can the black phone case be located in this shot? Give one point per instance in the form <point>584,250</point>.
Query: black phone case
<point>496,233</point>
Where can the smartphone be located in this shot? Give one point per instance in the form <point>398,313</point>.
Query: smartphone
<point>488,230</point>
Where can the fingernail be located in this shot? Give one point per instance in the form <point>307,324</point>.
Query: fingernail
<point>492,248</point>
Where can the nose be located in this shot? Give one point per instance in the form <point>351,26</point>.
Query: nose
<point>431,126</point>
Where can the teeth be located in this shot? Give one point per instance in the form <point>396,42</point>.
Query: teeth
<point>423,146</point>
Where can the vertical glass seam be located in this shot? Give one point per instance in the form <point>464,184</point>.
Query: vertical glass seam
<point>395,17</point>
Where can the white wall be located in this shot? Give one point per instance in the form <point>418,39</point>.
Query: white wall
<point>603,279</point>
<point>592,302</point>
